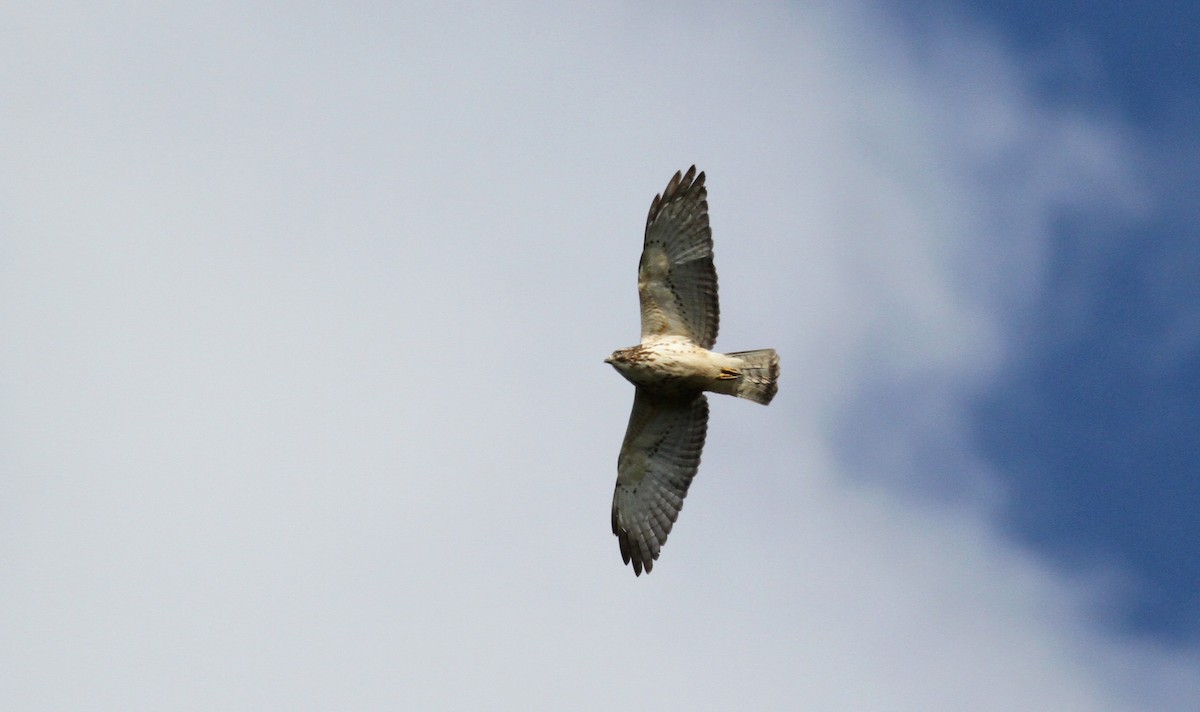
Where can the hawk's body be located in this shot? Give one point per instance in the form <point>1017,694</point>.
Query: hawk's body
<point>672,367</point>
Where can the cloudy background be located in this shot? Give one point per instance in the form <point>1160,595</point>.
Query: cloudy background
<point>303,310</point>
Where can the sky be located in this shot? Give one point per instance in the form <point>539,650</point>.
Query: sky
<point>1113,344</point>
<point>303,313</point>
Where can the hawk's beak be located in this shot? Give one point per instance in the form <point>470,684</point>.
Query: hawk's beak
<point>608,360</point>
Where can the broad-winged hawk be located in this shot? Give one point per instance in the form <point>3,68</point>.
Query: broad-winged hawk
<point>672,367</point>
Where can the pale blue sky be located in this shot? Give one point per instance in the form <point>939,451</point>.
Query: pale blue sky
<point>303,312</point>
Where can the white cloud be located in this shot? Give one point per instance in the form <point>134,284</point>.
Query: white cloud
<point>304,404</point>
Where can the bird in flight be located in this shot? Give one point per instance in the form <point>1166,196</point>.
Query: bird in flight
<point>672,367</point>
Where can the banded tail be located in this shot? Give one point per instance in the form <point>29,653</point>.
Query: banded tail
<point>758,375</point>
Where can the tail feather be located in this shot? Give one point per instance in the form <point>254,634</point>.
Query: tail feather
<point>758,375</point>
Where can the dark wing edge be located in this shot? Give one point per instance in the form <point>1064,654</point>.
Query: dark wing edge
<point>659,459</point>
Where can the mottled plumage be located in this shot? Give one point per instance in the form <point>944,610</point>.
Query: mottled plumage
<point>672,367</point>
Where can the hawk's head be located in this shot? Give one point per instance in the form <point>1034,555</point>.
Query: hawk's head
<point>624,359</point>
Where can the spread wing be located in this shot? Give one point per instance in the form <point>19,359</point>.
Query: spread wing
<point>658,460</point>
<point>677,283</point>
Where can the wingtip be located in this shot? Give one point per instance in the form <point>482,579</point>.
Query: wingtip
<point>681,182</point>
<point>640,562</point>
<point>684,181</point>
<point>627,549</point>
